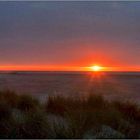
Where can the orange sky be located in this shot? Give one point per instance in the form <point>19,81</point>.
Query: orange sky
<point>63,68</point>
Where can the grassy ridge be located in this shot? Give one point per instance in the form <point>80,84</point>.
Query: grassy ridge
<point>22,116</point>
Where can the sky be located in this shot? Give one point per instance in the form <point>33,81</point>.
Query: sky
<point>69,35</point>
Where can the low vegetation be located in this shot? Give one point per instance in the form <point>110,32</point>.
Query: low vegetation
<point>22,116</point>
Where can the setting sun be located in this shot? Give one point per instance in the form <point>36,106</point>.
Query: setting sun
<point>96,68</point>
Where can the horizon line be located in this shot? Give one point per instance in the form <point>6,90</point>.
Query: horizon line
<point>69,71</point>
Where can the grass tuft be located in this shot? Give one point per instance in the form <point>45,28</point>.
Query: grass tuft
<point>22,116</point>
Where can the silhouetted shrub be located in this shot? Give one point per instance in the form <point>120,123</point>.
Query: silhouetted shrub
<point>10,97</point>
<point>5,111</point>
<point>6,127</point>
<point>6,120</point>
<point>80,121</point>
<point>60,131</point>
<point>59,105</point>
<point>35,126</point>
<point>129,110</point>
<point>56,105</point>
<point>28,103</point>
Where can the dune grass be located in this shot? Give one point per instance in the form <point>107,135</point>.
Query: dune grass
<point>95,111</point>
<point>22,116</point>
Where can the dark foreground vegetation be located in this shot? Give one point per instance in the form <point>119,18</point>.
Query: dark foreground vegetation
<point>22,116</point>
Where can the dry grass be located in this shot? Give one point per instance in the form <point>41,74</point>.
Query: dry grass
<point>80,116</point>
<point>95,111</point>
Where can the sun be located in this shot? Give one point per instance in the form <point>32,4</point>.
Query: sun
<point>96,68</point>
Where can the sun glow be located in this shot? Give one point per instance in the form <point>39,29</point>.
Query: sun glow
<point>96,68</point>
